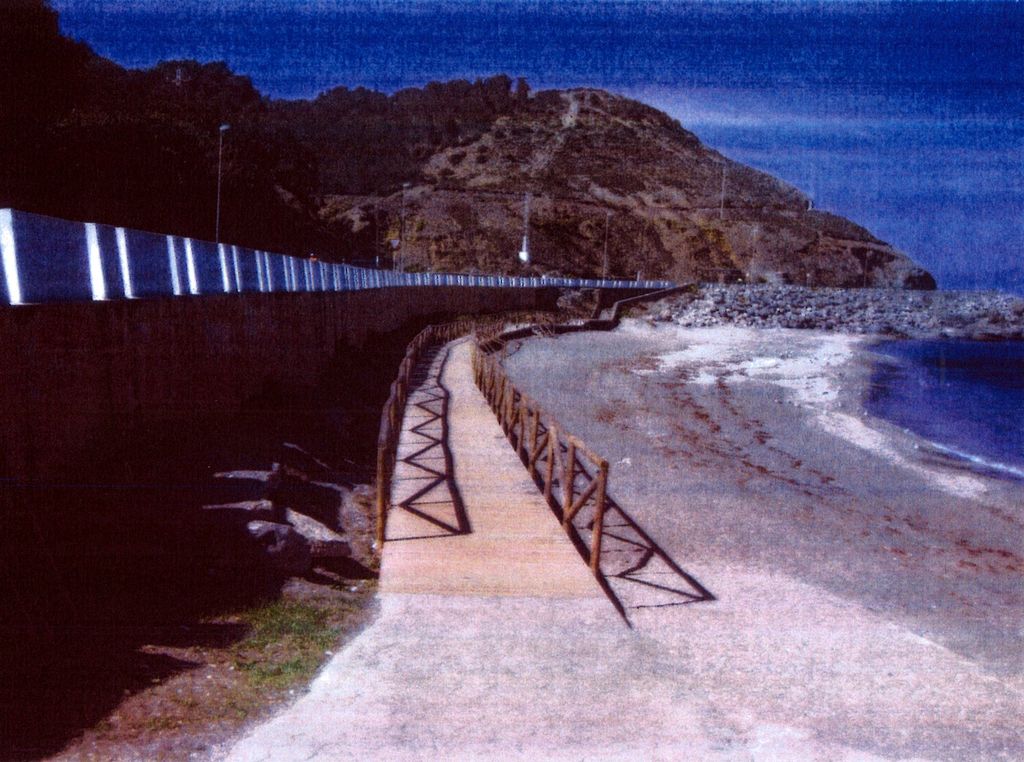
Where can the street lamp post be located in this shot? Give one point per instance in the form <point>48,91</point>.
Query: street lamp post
<point>721,200</point>
<point>220,162</point>
<point>524,251</point>
<point>378,239</point>
<point>607,223</point>
<point>401,232</point>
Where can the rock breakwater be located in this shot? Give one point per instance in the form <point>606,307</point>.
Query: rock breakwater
<point>892,312</point>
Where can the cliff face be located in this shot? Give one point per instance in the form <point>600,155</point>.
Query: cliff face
<point>582,154</point>
<point>83,138</point>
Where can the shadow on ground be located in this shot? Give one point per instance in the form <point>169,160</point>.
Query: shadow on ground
<point>123,555</point>
<point>436,500</point>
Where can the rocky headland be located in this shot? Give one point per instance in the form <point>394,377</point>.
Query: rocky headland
<point>433,175</point>
<point>601,167</point>
<point>897,313</point>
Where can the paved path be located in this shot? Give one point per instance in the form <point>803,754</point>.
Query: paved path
<point>468,518</point>
<point>493,640</point>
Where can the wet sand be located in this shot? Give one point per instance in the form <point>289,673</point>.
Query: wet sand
<point>869,590</point>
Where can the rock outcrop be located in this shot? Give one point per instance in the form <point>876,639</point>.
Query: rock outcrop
<point>588,157</point>
<point>282,548</point>
<point>304,515</point>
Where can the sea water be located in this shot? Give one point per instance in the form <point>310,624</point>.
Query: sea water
<point>965,397</point>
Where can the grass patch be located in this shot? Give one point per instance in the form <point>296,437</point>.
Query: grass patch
<point>286,643</point>
<point>269,653</point>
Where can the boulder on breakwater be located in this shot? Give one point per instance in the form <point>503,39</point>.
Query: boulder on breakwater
<point>892,312</point>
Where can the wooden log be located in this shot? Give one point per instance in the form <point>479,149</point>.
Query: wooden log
<point>598,531</point>
<point>572,510</point>
<point>539,446</point>
<point>579,445</point>
<point>549,477</point>
<point>569,480</point>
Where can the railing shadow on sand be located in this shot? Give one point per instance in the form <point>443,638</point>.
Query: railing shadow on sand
<point>394,411</point>
<point>428,492</point>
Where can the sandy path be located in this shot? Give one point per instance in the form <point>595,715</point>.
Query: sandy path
<point>495,643</point>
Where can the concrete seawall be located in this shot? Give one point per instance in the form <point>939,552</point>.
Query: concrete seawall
<point>76,376</point>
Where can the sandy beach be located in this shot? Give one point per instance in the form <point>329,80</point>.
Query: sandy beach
<point>868,588</point>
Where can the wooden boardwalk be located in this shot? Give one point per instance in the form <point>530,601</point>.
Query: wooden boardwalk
<point>466,517</point>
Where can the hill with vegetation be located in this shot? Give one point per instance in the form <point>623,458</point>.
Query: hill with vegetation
<point>443,168</point>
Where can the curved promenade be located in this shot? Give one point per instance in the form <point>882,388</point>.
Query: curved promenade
<point>467,518</point>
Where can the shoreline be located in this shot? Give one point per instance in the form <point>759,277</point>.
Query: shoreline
<point>748,456</point>
<point>942,442</point>
<point>831,382</point>
<point>873,317</point>
<point>857,576</point>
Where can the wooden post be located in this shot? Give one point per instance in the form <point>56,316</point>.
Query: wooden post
<point>513,417</point>
<point>503,401</point>
<point>521,420</point>
<point>510,409</point>
<point>549,476</point>
<point>383,484</point>
<point>595,537</point>
<point>499,401</point>
<point>568,479</point>
<point>532,455</point>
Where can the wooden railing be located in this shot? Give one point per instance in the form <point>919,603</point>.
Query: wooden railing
<point>394,409</point>
<point>570,474</point>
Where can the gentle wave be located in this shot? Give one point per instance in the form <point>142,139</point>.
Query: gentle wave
<point>964,398</point>
<point>980,463</point>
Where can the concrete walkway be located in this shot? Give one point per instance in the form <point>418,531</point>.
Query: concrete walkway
<point>468,519</point>
<point>493,640</point>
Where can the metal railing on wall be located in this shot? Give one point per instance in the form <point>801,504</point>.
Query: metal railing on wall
<point>47,259</point>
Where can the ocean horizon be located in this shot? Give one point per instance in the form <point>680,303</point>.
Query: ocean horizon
<point>904,117</point>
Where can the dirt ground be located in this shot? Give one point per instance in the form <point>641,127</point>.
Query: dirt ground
<point>140,625</point>
<point>236,669</point>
